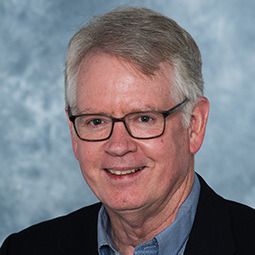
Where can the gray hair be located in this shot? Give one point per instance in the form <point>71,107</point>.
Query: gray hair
<point>144,38</point>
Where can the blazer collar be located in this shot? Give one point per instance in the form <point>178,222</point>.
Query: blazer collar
<point>211,232</point>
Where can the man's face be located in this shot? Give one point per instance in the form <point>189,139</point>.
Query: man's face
<point>110,86</point>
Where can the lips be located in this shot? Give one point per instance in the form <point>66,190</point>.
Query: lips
<point>124,172</point>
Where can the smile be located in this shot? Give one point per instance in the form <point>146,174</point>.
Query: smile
<point>126,172</point>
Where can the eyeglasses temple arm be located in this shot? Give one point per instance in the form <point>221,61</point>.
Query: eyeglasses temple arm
<point>177,107</point>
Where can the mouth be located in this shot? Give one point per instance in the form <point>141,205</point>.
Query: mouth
<point>124,172</point>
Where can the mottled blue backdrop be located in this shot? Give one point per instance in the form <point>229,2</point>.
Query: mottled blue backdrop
<point>40,177</point>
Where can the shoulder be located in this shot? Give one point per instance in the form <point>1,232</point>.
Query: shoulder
<point>224,224</point>
<point>53,234</point>
<point>240,215</point>
<point>58,226</point>
<point>242,220</point>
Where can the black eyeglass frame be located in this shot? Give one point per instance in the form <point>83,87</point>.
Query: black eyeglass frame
<point>114,120</point>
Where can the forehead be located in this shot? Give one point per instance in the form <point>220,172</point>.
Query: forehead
<point>105,80</point>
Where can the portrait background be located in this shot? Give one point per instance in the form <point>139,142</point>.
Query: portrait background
<point>40,177</point>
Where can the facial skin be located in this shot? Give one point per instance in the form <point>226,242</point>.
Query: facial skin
<point>111,86</point>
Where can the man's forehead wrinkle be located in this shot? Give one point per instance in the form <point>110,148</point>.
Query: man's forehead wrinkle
<point>84,111</point>
<point>89,110</point>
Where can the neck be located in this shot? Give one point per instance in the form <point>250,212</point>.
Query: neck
<point>133,227</point>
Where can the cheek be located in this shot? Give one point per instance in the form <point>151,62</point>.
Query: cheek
<point>172,149</point>
<point>88,155</point>
<point>160,151</point>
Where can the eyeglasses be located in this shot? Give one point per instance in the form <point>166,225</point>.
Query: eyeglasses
<point>139,125</point>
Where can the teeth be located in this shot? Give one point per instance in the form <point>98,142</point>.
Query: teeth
<point>116,172</point>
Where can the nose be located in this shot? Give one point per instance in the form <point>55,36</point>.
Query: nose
<point>120,142</point>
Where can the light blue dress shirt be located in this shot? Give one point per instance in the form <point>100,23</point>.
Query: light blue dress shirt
<point>170,241</point>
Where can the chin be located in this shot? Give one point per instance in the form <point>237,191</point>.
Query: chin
<point>123,204</point>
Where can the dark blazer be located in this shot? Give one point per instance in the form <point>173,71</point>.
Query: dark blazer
<point>221,227</point>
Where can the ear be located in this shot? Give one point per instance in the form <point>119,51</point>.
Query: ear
<point>73,135</point>
<point>198,124</point>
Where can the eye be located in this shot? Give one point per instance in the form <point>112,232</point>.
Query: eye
<point>95,122</point>
<point>145,118</point>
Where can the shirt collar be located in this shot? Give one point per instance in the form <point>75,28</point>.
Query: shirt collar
<point>173,238</point>
<point>104,230</point>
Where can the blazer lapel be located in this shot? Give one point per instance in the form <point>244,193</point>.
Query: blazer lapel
<point>211,232</point>
<point>82,237</point>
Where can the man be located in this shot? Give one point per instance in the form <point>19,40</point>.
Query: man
<point>137,116</point>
